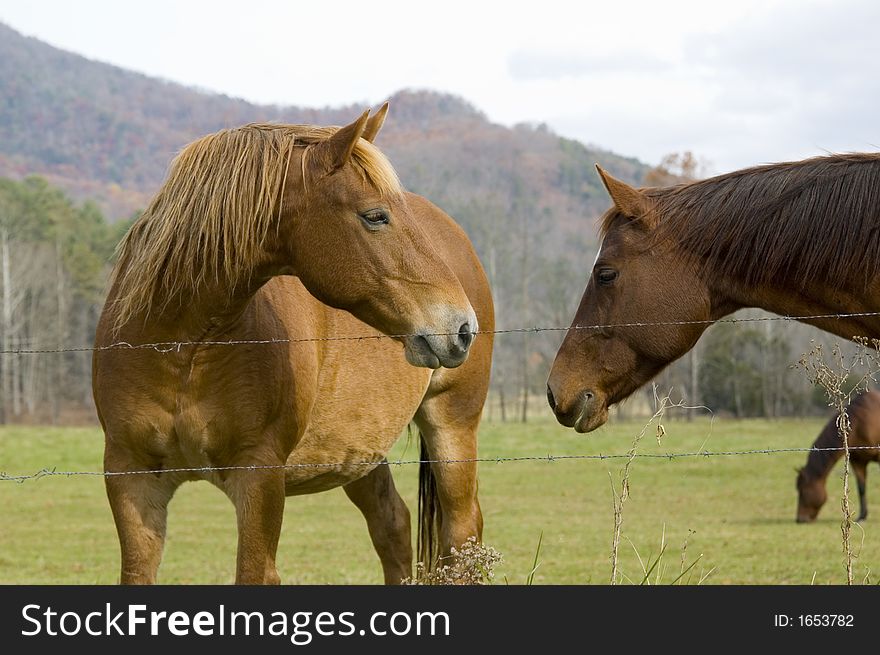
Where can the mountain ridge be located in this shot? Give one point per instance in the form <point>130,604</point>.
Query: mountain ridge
<point>102,132</point>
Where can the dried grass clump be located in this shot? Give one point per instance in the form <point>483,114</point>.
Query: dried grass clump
<point>472,564</point>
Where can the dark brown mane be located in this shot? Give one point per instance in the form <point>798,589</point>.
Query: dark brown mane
<point>796,220</point>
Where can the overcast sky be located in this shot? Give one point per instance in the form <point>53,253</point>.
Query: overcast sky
<point>738,83</point>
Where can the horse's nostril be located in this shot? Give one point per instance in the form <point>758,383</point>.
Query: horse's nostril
<point>588,396</point>
<point>550,398</point>
<point>465,336</point>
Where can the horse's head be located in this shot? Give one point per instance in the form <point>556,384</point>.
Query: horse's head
<point>356,244</point>
<point>812,494</point>
<point>636,279</point>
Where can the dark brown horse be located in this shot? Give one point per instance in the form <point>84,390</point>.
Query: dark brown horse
<point>799,239</point>
<point>864,436</point>
<point>294,234</point>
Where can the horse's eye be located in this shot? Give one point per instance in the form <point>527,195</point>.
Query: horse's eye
<point>374,217</point>
<point>606,276</point>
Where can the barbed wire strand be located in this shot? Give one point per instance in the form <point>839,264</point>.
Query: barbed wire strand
<point>47,472</point>
<point>176,346</point>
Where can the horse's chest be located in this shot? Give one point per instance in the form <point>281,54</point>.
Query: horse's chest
<point>225,409</point>
<point>358,415</point>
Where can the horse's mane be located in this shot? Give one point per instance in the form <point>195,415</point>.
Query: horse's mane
<point>210,220</point>
<point>794,220</point>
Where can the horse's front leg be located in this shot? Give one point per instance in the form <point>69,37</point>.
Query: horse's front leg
<point>387,519</point>
<point>139,502</point>
<point>258,496</point>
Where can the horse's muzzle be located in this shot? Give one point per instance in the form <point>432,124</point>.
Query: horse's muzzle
<point>447,347</point>
<point>584,412</point>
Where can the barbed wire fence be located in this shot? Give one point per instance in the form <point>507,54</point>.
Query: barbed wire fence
<point>670,456</point>
<point>177,346</point>
<point>834,378</point>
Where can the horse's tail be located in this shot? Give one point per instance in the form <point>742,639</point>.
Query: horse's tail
<point>428,539</point>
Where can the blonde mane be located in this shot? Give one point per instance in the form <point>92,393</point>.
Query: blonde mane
<point>210,220</point>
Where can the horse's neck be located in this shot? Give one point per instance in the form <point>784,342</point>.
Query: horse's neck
<point>817,298</point>
<point>209,313</point>
<point>828,443</point>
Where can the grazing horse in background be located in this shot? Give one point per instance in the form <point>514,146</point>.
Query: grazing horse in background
<point>291,234</point>
<point>864,418</point>
<point>799,238</point>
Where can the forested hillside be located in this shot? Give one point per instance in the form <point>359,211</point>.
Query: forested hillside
<point>107,134</point>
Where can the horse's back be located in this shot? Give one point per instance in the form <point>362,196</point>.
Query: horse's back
<point>864,414</point>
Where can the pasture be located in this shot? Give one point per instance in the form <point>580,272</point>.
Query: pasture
<point>738,512</point>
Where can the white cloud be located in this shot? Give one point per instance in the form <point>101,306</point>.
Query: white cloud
<point>527,65</point>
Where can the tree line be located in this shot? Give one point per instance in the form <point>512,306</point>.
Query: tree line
<point>54,260</point>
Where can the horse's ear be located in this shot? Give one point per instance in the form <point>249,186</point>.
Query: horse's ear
<point>628,200</point>
<point>374,123</point>
<point>334,153</point>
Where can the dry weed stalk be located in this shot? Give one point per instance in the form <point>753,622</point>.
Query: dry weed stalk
<point>472,564</point>
<point>619,499</point>
<point>840,381</point>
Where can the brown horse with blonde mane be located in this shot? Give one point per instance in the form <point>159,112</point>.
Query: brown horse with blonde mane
<point>286,237</point>
<point>798,239</point>
<point>863,437</point>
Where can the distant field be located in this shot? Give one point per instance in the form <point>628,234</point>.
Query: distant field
<point>741,511</point>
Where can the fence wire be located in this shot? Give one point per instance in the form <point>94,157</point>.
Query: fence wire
<point>46,472</point>
<point>177,346</point>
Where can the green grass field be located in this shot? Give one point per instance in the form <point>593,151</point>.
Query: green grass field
<point>738,511</point>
